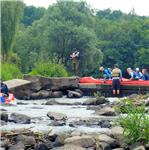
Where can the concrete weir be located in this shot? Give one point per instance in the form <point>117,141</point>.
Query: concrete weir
<point>38,87</point>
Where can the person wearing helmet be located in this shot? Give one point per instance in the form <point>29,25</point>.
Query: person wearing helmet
<point>133,75</point>
<point>116,78</point>
<point>105,72</point>
<point>138,73</point>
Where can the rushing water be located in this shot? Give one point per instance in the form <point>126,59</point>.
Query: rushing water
<point>40,122</point>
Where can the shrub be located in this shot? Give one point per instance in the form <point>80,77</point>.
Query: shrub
<point>135,123</point>
<point>9,71</point>
<point>49,70</point>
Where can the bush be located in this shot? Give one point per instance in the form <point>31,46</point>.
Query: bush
<point>9,71</point>
<point>49,70</point>
<point>135,123</point>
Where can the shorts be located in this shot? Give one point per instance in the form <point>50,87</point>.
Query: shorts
<point>116,84</point>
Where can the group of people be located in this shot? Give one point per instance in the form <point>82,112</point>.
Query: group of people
<point>116,76</point>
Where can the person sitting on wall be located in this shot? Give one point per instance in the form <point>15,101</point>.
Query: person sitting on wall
<point>132,74</point>
<point>145,75</point>
<point>105,72</point>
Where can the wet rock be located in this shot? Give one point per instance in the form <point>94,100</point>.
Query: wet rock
<point>40,94</point>
<point>4,142</point>
<point>105,124</point>
<point>84,141</point>
<point>139,148</point>
<point>20,118</point>
<point>41,147</point>
<point>4,116</point>
<point>96,101</point>
<point>2,123</point>
<point>102,146</point>
<point>56,116</point>
<point>56,94</point>
<point>72,147</point>
<point>57,123</point>
<point>26,140</point>
<point>107,111</point>
<point>51,102</point>
<point>107,139</point>
<point>73,94</point>
<point>21,103</point>
<point>18,146</point>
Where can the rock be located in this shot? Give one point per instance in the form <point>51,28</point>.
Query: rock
<point>79,91</point>
<point>56,116</point>
<point>53,83</point>
<point>72,147</point>
<point>107,139</point>
<point>57,123</point>
<point>105,124</point>
<point>40,94</point>
<point>4,142</point>
<point>117,132</point>
<point>52,102</point>
<point>102,146</point>
<point>26,140</point>
<point>4,116</point>
<point>96,101</point>
<point>147,102</point>
<point>107,111</point>
<point>84,141</point>
<point>41,147</point>
<point>18,146</point>
<point>59,141</point>
<point>2,123</point>
<point>133,96</point>
<point>118,149</point>
<point>139,148</point>
<point>56,94</point>
<point>75,133</point>
<point>73,94</point>
<point>20,118</point>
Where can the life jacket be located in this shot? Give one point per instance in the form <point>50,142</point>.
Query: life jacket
<point>115,73</point>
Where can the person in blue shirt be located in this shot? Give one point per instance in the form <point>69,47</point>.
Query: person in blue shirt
<point>138,74</point>
<point>105,72</point>
<point>133,75</point>
<point>145,75</point>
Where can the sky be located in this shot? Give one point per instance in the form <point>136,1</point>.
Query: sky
<point>141,6</point>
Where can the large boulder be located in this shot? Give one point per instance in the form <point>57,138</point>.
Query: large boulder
<point>20,118</point>
<point>56,94</point>
<point>83,141</point>
<point>56,116</point>
<point>53,83</point>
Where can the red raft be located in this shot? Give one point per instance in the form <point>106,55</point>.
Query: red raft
<point>91,80</point>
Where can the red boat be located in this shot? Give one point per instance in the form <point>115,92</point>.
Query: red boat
<point>91,80</point>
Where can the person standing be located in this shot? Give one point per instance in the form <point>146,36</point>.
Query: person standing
<point>116,78</point>
<point>75,58</point>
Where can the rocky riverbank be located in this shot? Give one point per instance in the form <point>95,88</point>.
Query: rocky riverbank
<point>65,124</point>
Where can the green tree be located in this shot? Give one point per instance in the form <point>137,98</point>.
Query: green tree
<point>11,12</point>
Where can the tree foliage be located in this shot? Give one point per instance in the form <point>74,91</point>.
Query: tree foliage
<point>11,12</point>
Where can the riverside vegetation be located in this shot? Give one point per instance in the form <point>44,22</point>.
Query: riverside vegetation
<point>36,35</point>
